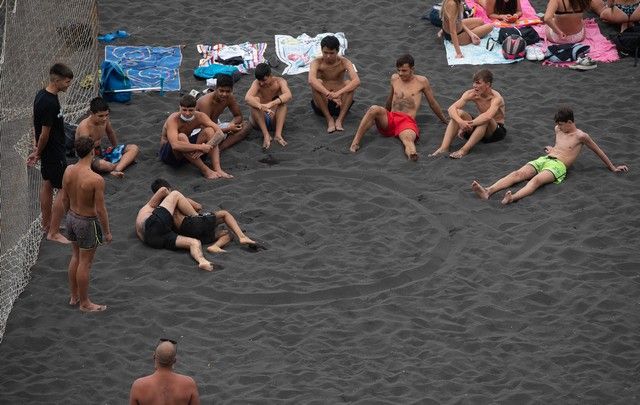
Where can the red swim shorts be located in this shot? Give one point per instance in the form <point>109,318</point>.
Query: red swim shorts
<point>398,122</point>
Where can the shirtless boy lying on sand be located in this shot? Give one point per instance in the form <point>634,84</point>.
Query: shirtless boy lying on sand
<point>204,226</point>
<point>552,167</point>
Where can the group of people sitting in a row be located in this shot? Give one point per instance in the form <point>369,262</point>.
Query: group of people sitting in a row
<point>563,19</point>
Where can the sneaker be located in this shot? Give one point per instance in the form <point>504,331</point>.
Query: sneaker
<point>584,63</point>
<point>531,53</point>
<point>540,53</point>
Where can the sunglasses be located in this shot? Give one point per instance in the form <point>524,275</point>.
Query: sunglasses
<point>168,340</point>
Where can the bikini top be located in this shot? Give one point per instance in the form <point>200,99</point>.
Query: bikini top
<point>566,11</point>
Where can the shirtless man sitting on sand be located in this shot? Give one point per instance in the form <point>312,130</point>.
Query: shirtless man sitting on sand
<point>268,97</point>
<point>215,102</point>
<point>86,220</point>
<point>487,127</point>
<point>96,126</point>
<point>332,93</point>
<point>552,167</point>
<point>398,118</point>
<point>164,386</point>
<point>155,221</point>
<point>204,226</point>
<point>187,135</point>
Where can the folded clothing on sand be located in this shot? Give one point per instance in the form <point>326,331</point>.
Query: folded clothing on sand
<point>250,53</point>
<point>298,52</point>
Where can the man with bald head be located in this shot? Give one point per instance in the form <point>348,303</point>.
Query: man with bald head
<point>164,386</point>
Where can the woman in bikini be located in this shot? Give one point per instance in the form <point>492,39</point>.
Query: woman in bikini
<point>504,10</point>
<point>623,12</point>
<point>458,30</point>
<point>564,20</point>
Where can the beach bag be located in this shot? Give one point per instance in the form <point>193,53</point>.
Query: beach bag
<point>434,15</point>
<point>627,42</point>
<point>513,47</point>
<point>114,78</point>
<point>529,35</point>
<point>566,52</point>
<point>208,72</point>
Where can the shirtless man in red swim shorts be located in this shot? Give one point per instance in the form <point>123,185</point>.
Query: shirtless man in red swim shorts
<point>398,118</point>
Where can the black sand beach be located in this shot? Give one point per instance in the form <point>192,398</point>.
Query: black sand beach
<point>385,281</point>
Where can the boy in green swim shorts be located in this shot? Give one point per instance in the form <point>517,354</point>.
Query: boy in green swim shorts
<point>552,167</point>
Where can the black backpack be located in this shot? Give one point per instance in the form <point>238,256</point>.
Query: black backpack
<point>628,42</point>
<point>529,35</point>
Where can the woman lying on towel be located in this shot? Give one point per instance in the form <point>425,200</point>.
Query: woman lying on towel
<point>458,30</point>
<point>504,10</point>
<point>623,12</point>
<point>564,20</point>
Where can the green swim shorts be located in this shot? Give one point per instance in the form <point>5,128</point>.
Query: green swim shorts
<point>552,164</point>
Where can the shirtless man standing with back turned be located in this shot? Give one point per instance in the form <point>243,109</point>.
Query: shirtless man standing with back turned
<point>398,118</point>
<point>332,93</point>
<point>86,220</point>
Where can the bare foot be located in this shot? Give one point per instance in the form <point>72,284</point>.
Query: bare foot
<point>354,147</point>
<point>508,198</point>
<point>215,249</point>
<point>459,154</point>
<point>245,241</point>
<point>210,174</point>
<point>58,237</point>
<point>438,152</point>
<point>224,175</point>
<point>266,143</point>
<point>74,301</point>
<point>205,265</point>
<point>331,126</point>
<point>91,307</point>
<point>339,126</point>
<point>117,174</point>
<point>280,140</point>
<point>413,157</point>
<point>480,191</point>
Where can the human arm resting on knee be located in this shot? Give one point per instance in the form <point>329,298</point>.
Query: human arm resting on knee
<point>488,115</point>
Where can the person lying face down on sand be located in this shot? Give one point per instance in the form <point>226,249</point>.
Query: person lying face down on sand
<point>187,135</point>
<point>398,118</point>
<point>86,220</point>
<point>204,226</point>
<point>268,97</point>
<point>215,102</point>
<point>97,126</point>
<point>154,225</point>
<point>164,386</point>
<point>332,92</point>
<point>486,127</point>
<point>552,167</point>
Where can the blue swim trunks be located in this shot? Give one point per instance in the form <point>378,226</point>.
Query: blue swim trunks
<point>167,156</point>
<point>556,167</point>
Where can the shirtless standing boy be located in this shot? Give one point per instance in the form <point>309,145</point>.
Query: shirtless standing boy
<point>332,93</point>
<point>187,135</point>
<point>268,97</point>
<point>86,220</point>
<point>398,118</point>
<point>487,127</point>
<point>215,102</point>
<point>97,126</point>
<point>552,167</point>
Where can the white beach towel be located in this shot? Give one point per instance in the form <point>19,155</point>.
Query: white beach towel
<point>478,54</point>
<point>297,53</point>
<point>252,54</point>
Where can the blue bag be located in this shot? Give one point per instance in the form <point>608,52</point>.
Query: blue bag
<point>114,78</point>
<point>208,72</point>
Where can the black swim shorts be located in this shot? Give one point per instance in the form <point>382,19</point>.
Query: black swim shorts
<point>202,227</point>
<point>499,134</point>
<point>157,230</point>
<point>53,172</point>
<point>334,109</point>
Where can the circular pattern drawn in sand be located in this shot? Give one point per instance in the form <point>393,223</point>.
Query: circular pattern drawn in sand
<point>330,234</point>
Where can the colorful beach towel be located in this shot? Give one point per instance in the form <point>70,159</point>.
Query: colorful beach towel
<point>297,53</point>
<point>601,49</point>
<point>145,66</point>
<point>252,54</point>
<point>529,16</point>
<point>478,54</point>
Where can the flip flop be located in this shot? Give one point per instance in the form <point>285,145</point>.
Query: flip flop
<point>122,34</point>
<point>107,37</point>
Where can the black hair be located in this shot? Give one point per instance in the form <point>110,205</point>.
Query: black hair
<point>97,105</point>
<point>60,70</point>
<point>224,81</point>
<point>262,70</point>
<point>564,114</point>
<point>506,7</point>
<point>158,184</point>
<point>405,59</point>
<point>83,146</point>
<point>330,42</point>
<point>187,101</point>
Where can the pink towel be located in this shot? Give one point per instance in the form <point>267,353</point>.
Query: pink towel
<point>601,49</point>
<point>528,17</point>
